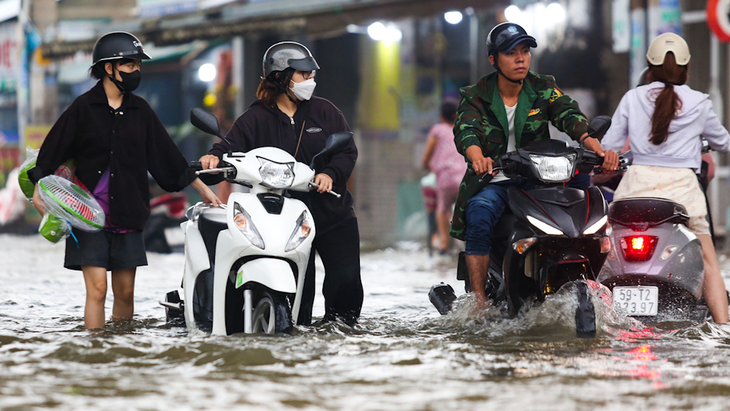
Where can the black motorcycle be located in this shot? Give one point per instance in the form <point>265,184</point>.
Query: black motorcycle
<point>551,235</point>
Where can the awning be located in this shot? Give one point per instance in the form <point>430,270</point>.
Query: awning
<point>317,18</point>
<point>9,9</point>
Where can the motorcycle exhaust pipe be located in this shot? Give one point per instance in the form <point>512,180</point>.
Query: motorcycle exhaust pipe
<point>442,296</point>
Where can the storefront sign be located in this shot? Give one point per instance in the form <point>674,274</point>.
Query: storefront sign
<point>8,58</point>
<point>157,8</point>
<point>665,17</point>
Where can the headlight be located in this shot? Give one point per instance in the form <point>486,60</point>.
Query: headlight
<point>554,169</point>
<point>276,175</point>
<point>301,232</point>
<point>596,226</point>
<point>544,227</point>
<point>245,224</point>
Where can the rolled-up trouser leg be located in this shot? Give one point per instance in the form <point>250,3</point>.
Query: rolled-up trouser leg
<point>483,211</point>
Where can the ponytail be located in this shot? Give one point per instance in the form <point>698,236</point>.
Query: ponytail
<point>667,103</point>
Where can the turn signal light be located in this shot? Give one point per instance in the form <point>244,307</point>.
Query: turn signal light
<point>638,247</point>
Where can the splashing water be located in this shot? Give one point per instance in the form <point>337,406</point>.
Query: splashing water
<point>402,356</point>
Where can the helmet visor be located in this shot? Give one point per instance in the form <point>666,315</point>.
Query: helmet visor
<point>510,41</point>
<point>131,54</point>
<point>303,64</point>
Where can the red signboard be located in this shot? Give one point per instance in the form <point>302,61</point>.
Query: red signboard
<point>718,18</point>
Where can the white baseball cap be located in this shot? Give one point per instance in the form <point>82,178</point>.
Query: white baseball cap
<point>665,43</point>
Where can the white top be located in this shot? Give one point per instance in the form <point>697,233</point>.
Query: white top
<point>682,147</point>
<point>510,139</point>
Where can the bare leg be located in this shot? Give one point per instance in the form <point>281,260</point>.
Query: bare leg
<point>478,266</point>
<point>443,222</point>
<point>123,289</point>
<point>713,286</point>
<point>95,281</point>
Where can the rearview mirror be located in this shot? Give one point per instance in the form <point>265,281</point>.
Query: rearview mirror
<point>599,126</point>
<point>205,121</point>
<point>338,141</point>
<point>334,144</point>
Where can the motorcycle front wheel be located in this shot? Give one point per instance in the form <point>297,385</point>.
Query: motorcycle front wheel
<point>272,314</point>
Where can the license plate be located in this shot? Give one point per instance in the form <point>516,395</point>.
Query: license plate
<point>638,301</point>
<point>174,236</point>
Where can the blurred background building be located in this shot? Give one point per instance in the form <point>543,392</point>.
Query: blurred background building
<point>387,64</point>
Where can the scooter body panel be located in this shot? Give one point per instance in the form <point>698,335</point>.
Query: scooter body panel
<point>567,209</point>
<point>270,272</point>
<point>196,261</point>
<point>233,249</point>
<point>682,268</point>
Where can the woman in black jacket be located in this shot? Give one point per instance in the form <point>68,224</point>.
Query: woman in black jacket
<point>115,139</point>
<point>287,116</point>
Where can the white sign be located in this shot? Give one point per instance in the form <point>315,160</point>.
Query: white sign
<point>621,25</point>
<point>8,57</point>
<point>9,9</point>
<point>638,46</point>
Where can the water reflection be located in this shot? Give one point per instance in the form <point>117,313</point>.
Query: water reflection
<point>644,359</point>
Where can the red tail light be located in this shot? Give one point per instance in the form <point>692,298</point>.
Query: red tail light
<point>638,247</point>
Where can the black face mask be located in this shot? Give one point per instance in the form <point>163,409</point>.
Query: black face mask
<point>130,81</point>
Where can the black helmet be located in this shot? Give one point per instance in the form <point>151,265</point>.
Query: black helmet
<point>118,45</point>
<point>286,54</point>
<point>505,36</point>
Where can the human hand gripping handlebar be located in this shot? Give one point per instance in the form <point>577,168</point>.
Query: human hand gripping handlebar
<point>314,185</point>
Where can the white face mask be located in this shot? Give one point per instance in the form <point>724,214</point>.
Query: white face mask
<point>304,90</point>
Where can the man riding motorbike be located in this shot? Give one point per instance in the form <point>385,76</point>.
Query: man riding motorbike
<point>505,110</point>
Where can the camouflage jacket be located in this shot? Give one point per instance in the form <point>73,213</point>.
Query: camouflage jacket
<point>482,121</point>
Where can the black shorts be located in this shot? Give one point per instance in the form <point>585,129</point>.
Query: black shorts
<point>104,249</point>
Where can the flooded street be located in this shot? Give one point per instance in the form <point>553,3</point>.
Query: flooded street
<point>402,356</point>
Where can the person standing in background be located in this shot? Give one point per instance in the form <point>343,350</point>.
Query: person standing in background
<point>442,158</point>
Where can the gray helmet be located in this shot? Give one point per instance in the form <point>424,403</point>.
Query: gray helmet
<point>286,54</point>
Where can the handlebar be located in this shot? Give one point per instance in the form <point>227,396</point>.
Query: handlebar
<point>216,170</point>
<point>312,184</point>
<point>587,161</point>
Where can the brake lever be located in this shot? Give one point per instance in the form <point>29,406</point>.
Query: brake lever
<point>481,179</point>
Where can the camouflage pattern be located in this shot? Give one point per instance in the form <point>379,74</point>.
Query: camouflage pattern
<point>482,121</point>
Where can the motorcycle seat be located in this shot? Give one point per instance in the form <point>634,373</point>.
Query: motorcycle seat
<point>210,223</point>
<point>647,210</point>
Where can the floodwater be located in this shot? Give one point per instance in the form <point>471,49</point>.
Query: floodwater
<point>403,355</point>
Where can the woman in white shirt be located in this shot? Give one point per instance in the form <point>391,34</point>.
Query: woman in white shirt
<point>665,120</point>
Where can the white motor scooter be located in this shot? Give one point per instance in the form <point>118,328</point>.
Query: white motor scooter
<point>245,262</point>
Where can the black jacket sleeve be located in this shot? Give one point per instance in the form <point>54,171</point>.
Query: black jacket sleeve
<point>241,138</point>
<point>55,148</point>
<point>165,162</point>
